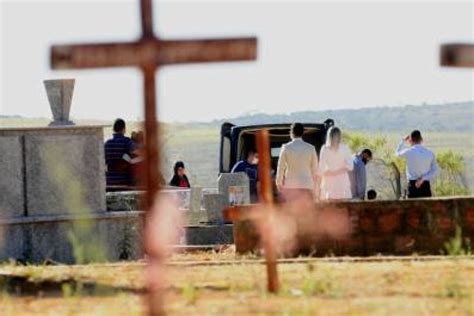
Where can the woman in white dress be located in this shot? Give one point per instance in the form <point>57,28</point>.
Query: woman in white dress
<point>335,162</point>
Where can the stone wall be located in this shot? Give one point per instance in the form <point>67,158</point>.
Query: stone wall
<point>405,227</point>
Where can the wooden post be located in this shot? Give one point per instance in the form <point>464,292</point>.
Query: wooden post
<point>266,199</point>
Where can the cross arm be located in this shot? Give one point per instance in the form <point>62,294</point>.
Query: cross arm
<point>457,55</point>
<point>155,52</point>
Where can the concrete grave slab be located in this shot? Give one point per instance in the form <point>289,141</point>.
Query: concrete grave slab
<point>65,172</point>
<point>12,201</point>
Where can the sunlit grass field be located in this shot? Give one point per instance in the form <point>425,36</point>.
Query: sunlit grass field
<point>310,287</point>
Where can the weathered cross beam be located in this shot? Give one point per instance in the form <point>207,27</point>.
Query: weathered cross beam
<point>457,55</point>
<point>266,199</point>
<point>148,53</point>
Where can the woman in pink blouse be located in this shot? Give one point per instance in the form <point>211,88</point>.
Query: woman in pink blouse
<point>335,162</point>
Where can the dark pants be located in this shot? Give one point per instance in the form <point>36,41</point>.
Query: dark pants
<point>421,192</point>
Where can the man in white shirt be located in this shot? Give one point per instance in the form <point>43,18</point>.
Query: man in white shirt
<point>297,167</point>
<point>421,165</point>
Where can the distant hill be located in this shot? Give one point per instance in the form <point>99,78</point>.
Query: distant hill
<point>454,117</point>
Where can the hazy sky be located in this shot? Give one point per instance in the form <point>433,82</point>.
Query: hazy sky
<point>312,56</point>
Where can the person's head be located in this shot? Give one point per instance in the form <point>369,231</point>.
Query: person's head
<point>366,155</point>
<point>179,169</point>
<point>415,137</point>
<point>137,137</point>
<point>371,195</point>
<point>252,156</point>
<point>296,130</point>
<point>334,137</point>
<point>119,126</point>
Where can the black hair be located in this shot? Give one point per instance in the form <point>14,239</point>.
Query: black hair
<point>177,165</point>
<point>367,151</point>
<point>119,125</point>
<point>249,151</point>
<point>416,136</point>
<point>371,195</point>
<point>297,129</point>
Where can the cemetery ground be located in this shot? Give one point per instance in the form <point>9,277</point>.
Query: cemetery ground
<point>211,283</point>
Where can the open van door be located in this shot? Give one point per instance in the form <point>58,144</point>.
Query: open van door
<point>225,148</point>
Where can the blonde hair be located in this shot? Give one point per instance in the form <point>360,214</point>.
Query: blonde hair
<point>334,137</point>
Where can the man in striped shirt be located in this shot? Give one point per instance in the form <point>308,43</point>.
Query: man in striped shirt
<point>119,171</point>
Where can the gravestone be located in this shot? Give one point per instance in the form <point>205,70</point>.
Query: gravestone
<point>235,187</point>
<point>214,203</point>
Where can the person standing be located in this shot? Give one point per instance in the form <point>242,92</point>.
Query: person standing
<point>179,178</point>
<point>421,164</point>
<point>119,171</point>
<point>250,167</point>
<point>358,176</point>
<point>335,164</point>
<point>297,167</point>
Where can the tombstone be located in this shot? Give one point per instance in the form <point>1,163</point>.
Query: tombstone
<point>235,187</point>
<point>214,203</point>
<point>60,93</point>
<point>195,199</point>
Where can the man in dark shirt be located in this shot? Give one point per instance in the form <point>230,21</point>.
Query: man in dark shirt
<point>119,170</point>
<point>250,167</point>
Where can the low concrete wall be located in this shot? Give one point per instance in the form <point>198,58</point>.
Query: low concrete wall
<point>405,227</point>
<point>112,236</point>
<point>104,237</point>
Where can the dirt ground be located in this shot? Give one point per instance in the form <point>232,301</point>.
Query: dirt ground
<point>219,284</point>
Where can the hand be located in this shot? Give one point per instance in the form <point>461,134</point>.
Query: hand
<point>419,183</point>
<point>406,138</point>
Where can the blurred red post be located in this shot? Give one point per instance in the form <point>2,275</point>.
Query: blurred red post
<point>266,199</point>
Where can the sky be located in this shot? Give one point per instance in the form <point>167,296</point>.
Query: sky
<point>312,55</point>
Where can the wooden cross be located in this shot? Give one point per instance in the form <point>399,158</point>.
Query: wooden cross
<point>148,53</point>
<point>266,199</point>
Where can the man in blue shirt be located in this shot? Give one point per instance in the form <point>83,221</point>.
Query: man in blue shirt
<point>250,167</point>
<point>421,165</point>
<point>358,175</point>
<point>119,171</point>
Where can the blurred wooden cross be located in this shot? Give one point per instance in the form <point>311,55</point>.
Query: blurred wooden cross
<point>266,199</point>
<point>457,55</point>
<point>148,53</point>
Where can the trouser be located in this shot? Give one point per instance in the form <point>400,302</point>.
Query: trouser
<point>421,192</point>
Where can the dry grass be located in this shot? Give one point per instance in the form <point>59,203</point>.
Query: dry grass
<point>316,287</point>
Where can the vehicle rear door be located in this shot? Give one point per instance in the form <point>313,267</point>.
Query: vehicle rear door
<point>225,147</point>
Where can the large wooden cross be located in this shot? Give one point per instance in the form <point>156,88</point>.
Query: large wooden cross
<point>148,53</point>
